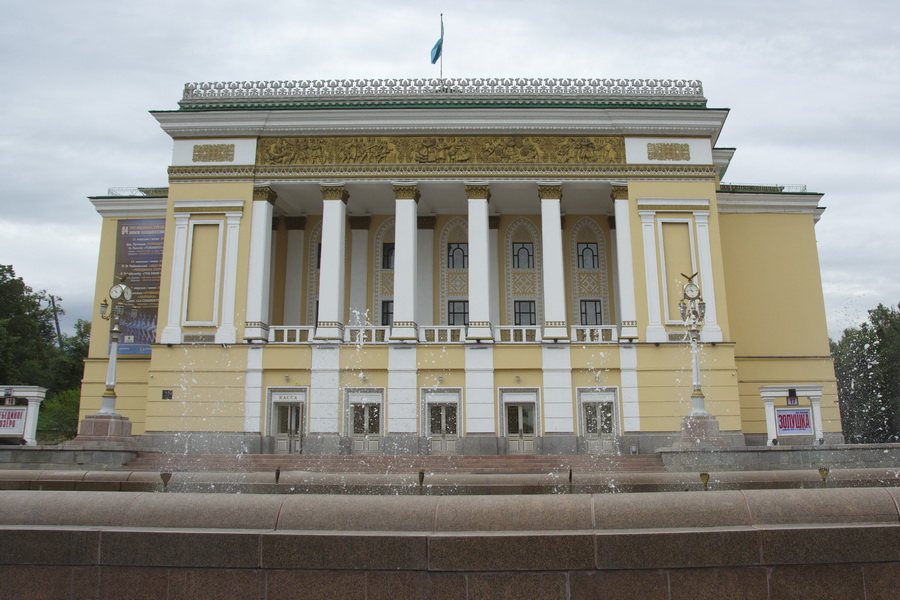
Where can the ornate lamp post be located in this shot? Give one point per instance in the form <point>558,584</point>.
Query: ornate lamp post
<point>107,428</point>
<point>698,428</point>
<point>693,311</point>
<point>119,293</point>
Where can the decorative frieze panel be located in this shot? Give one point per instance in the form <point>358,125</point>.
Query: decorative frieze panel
<point>668,151</point>
<point>213,153</point>
<point>493,149</point>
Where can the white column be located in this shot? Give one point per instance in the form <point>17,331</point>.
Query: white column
<point>293,276</point>
<point>253,390</point>
<point>480,414</point>
<point>259,273</point>
<point>631,415</point>
<point>425,273</point>
<point>479,264</point>
<point>711,332</point>
<point>172,332</point>
<point>226,333</point>
<point>330,326</point>
<point>402,388</point>
<point>815,402</point>
<point>771,429</point>
<point>557,385</point>
<point>405,263</point>
<point>625,266</point>
<point>325,389</point>
<point>655,331</point>
<point>494,267</point>
<point>555,327</point>
<point>359,271</point>
<point>31,419</point>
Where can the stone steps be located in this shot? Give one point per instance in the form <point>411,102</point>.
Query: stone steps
<point>381,464</point>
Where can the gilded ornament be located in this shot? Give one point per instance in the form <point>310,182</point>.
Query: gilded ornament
<point>550,192</point>
<point>668,151</point>
<point>334,192</point>
<point>213,153</point>
<point>264,193</point>
<point>619,192</point>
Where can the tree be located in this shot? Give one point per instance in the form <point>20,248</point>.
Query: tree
<point>867,368</point>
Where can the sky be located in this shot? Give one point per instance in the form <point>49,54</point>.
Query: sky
<point>813,88</point>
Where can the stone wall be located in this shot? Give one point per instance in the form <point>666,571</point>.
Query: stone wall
<point>828,543</point>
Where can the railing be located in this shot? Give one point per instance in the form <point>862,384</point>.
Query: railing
<point>290,335</point>
<point>595,334</point>
<point>445,334</point>
<point>517,335</point>
<point>366,335</point>
<point>442,334</point>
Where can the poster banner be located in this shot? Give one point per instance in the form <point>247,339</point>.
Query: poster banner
<point>794,421</point>
<point>12,421</point>
<point>139,251</point>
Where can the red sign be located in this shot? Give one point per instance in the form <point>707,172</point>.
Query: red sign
<point>12,421</point>
<point>794,421</point>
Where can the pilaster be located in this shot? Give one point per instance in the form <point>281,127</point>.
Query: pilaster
<point>330,323</point>
<point>404,327</point>
<point>626,304</point>
<point>259,275</point>
<point>480,329</point>
<point>555,326</point>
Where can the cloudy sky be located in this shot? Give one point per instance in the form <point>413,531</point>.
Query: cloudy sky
<point>814,88</point>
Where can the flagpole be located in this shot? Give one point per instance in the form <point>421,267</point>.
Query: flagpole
<point>442,49</point>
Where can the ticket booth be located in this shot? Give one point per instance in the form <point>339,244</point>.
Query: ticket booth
<point>19,413</point>
<point>792,412</point>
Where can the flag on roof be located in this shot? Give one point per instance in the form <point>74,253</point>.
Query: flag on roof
<point>439,45</point>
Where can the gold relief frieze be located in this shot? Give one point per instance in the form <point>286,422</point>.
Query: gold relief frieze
<point>422,150</point>
<point>213,153</point>
<point>668,151</point>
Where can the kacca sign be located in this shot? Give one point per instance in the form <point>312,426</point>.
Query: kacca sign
<point>794,421</point>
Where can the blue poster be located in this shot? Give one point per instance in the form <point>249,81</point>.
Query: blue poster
<point>139,251</point>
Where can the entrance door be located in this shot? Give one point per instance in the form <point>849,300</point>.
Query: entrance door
<point>288,428</point>
<point>442,429</point>
<point>366,428</point>
<point>520,428</point>
<point>599,428</point>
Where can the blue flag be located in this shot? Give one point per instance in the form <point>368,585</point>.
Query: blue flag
<point>438,46</point>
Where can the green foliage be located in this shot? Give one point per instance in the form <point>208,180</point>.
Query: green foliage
<point>58,419</point>
<point>30,353</point>
<point>867,367</point>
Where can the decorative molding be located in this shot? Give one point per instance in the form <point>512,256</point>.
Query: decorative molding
<point>213,153</point>
<point>479,323</point>
<point>263,193</point>
<point>550,191</point>
<point>411,150</point>
<point>478,191</point>
<point>668,151</point>
<point>461,92</point>
<point>359,222</point>
<point>270,173</point>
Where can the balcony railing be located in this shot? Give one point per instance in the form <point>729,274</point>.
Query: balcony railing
<point>446,334</point>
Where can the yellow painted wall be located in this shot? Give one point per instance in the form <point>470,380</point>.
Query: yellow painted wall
<point>131,389</point>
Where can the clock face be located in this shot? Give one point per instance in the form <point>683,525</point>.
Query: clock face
<point>115,291</point>
<point>691,291</point>
<point>126,292</point>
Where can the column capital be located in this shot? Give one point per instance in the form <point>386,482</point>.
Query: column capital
<point>478,190</point>
<point>406,191</point>
<point>619,191</point>
<point>550,190</point>
<point>264,193</point>
<point>334,191</point>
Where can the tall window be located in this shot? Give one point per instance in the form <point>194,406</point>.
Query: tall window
<point>588,255</point>
<point>523,255</point>
<point>387,255</point>
<point>387,313</point>
<point>524,312</point>
<point>458,312</point>
<point>591,313</point>
<point>458,256</point>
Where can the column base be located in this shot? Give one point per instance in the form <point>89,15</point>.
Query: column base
<point>105,431</point>
<point>700,431</point>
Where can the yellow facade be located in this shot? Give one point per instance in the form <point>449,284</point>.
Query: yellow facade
<point>441,280</point>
